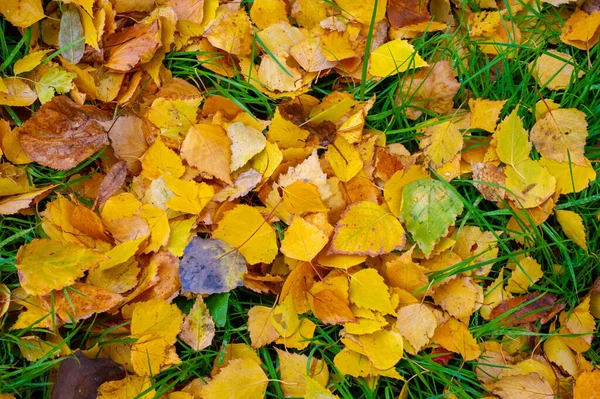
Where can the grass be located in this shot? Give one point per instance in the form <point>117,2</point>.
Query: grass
<point>505,76</point>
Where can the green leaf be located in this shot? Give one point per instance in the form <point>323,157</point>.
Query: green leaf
<point>217,306</point>
<point>70,36</point>
<point>54,79</point>
<point>429,207</point>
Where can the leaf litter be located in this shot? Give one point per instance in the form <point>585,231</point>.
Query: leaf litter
<point>335,222</point>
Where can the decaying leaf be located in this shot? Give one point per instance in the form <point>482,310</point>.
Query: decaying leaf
<point>198,328</point>
<point>62,134</point>
<point>211,266</point>
<point>525,309</point>
<point>70,36</point>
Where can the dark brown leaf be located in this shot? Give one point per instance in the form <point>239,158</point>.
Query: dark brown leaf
<point>79,377</point>
<point>111,183</point>
<point>402,13</point>
<point>542,308</point>
<point>62,134</point>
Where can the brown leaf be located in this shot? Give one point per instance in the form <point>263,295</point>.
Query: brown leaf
<point>402,13</point>
<point>542,308</point>
<point>79,377</point>
<point>112,182</point>
<point>132,46</point>
<point>62,134</point>
<point>127,136</point>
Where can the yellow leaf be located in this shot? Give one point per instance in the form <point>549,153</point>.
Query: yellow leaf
<point>587,385</point>
<point>22,13</point>
<point>344,159</point>
<point>245,228</point>
<point>131,386</point>
<point>530,386</point>
<point>572,225</point>
<point>30,61</point>
<point>301,338</point>
<point>392,191</point>
<point>553,70</point>
<point>456,337</point>
<point>121,253</point>
<point>246,142</point>
<point>301,197</point>
<point>485,113</point>
<point>190,197</point>
<point>207,148</point>
<point>198,328</point>
<point>260,328</point>
<point>525,274</point>
<point>119,279</point>
<point>416,323</point>
<point>303,240</point>
<point>384,348</point>
<point>314,390</point>
<point>308,171</point>
<point>579,322</point>
<point>17,94</point>
<point>156,317</point>
<point>366,228</point>
<point>267,161</point>
<point>570,178</point>
<point>159,159</point>
<point>494,296</point>
<point>231,31</point>
<point>45,265</point>
<point>241,378</point>
<point>149,354</point>
<point>512,143</point>
<point>181,231</point>
<point>174,116</point>
<point>357,365</point>
<point>308,13</point>
<point>529,184</point>
<point>362,10</point>
<point>440,144</point>
<point>336,46</point>
<point>159,227</point>
<point>84,301</point>
<point>459,297</point>
<point>368,290</point>
<point>403,273</point>
<point>559,353</point>
<point>581,29</point>
<point>286,134</point>
<point>284,317</point>
<point>294,367</point>
<point>34,348</point>
<point>560,135</point>
<point>266,12</point>
<point>11,146</point>
<point>394,57</point>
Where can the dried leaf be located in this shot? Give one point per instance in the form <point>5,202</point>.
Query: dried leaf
<point>22,13</point>
<point>198,328</point>
<point>240,378</point>
<point>70,36</point>
<point>540,307</point>
<point>62,134</point>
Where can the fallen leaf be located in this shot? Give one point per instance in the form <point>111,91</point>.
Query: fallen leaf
<point>394,57</point>
<point>111,183</point>
<point>70,36</point>
<point>456,337</point>
<point>245,229</point>
<point>132,46</point>
<point>485,113</point>
<point>240,378</point>
<point>403,13</point>
<point>587,385</point>
<point>61,133</point>
<point>303,240</point>
<point>366,228</point>
<point>554,70</point>
<point>368,290</point>
<point>527,271</point>
<point>540,307</point>
<point>416,323</point>
<point>30,61</point>
<point>79,377</point>
<point>22,13</point>
<point>260,328</point>
<point>45,265</point>
<point>17,93</point>
<point>573,227</point>
<point>440,143</point>
<point>198,328</point>
<point>294,368</point>
<point>512,142</point>
<point>530,386</point>
<point>156,317</point>
<point>131,386</point>
<point>211,266</point>
<point>428,209</point>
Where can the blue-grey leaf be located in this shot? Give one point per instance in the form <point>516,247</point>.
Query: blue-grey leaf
<point>70,36</point>
<point>211,266</point>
